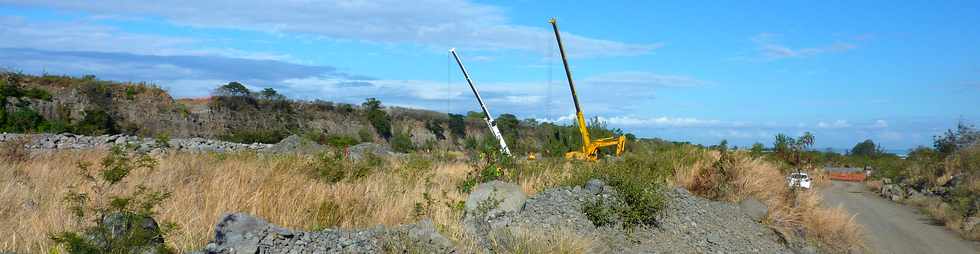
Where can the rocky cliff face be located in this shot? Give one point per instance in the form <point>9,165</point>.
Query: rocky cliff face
<point>146,110</point>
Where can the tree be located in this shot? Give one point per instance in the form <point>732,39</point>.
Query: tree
<point>270,94</point>
<point>475,115</point>
<point>233,89</point>
<point>96,123</point>
<point>435,126</point>
<point>508,124</point>
<point>379,118</point>
<point>867,148</point>
<point>965,135</point>
<point>457,126</point>
<point>757,149</point>
<point>793,150</point>
<point>402,143</point>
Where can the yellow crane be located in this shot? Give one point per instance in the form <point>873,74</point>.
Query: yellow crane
<point>590,148</point>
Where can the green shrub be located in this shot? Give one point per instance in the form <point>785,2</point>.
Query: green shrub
<point>55,126</point>
<point>345,108</point>
<point>402,143</point>
<point>96,122</point>
<point>378,118</point>
<point>131,92</point>
<point>23,120</point>
<point>341,141</point>
<point>639,180</point>
<point>127,210</point>
<point>330,167</point>
<point>599,213</point>
<point>162,140</point>
<point>457,126</point>
<point>365,135</point>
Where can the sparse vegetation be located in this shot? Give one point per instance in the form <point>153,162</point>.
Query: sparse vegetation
<point>108,221</point>
<point>378,118</point>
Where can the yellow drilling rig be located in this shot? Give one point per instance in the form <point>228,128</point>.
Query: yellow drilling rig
<point>590,148</point>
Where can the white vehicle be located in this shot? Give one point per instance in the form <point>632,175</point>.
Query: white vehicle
<point>799,179</point>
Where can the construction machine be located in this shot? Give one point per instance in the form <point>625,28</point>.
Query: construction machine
<point>486,113</point>
<point>590,148</point>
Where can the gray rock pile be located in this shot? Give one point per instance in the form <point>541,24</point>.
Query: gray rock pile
<point>72,141</point>
<point>242,233</point>
<point>689,224</point>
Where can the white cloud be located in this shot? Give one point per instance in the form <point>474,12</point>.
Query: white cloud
<point>440,23</point>
<point>878,124</point>
<point>771,49</point>
<point>834,125</point>
<point>79,35</point>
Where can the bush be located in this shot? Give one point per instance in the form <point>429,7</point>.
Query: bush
<point>378,118</point>
<point>457,126</point>
<point>435,127</point>
<point>22,120</point>
<point>331,166</point>
<point>96,122</point>
<point>599,213</point>
<point>110,212</point>
<point>402,143</point>
<point>639,181</point>
<point>365,135</point>
<point>340,141</point>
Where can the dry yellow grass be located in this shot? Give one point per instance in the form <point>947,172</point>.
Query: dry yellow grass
<point>832,228</point>
<point>278,189</point>
<point>521,240</point>
<point>205,186</point>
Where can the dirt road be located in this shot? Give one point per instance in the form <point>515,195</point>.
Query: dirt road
<point>894,228</point>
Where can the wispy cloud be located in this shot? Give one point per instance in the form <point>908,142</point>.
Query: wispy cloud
<point>643,79</point>
<point>770,48</point>
<point>80,35</point>
<point>439,23</point>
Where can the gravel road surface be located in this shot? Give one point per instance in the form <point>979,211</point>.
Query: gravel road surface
<point>892,227</point>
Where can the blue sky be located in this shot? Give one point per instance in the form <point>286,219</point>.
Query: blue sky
<point>894,72</point>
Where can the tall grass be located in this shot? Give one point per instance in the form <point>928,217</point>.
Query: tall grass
<point>206,185</point>
<point>789,210</point>
<point>280,189</point>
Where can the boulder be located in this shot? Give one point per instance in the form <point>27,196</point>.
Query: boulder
<point>594,186</point>
<point>754,208</point>
<point>970,224</point>
<point>127,226</point>
<point>358,152</point>
<point>494,198</point>
<point>238,233</point>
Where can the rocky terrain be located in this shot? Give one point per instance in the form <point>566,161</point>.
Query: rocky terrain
<point>689,225</point>
<point>71,141</point>
<point>937,198</point>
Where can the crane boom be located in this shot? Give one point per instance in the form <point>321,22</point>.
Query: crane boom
<point>486,113</point>
<point>590,148</point>
<point>580,117</point>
